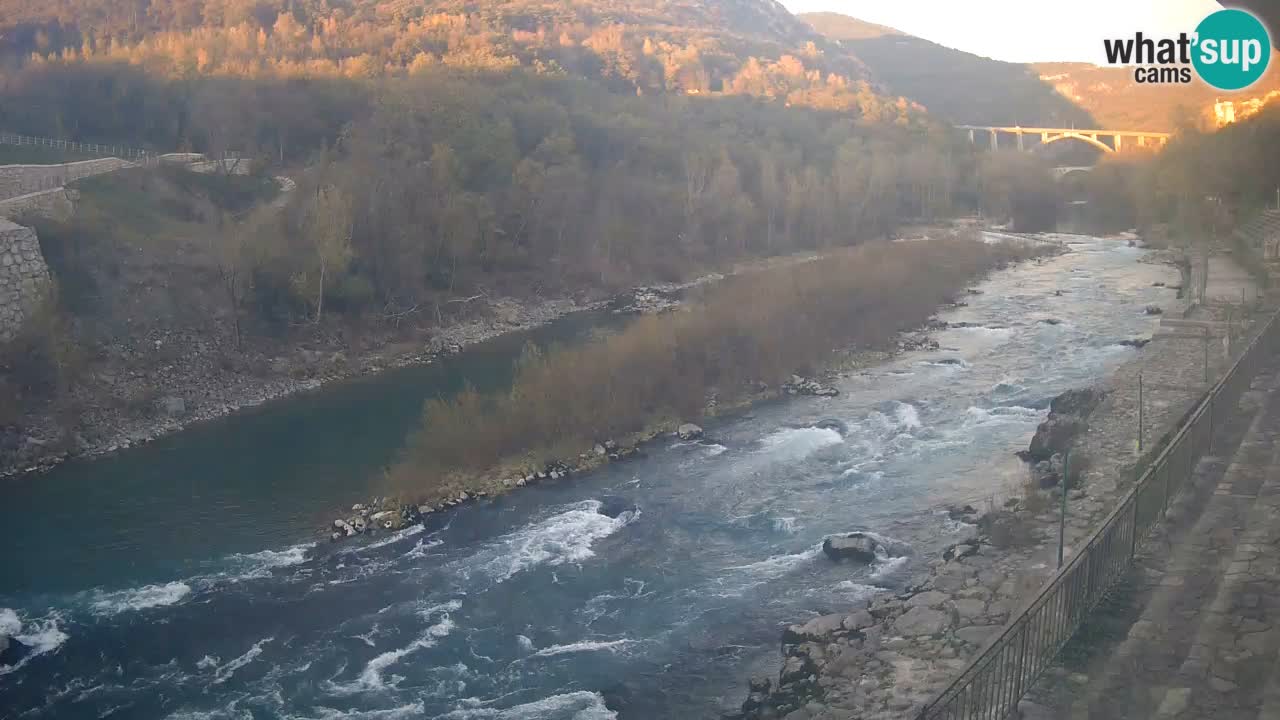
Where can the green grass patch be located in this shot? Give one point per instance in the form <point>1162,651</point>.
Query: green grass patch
<point>142,203</point>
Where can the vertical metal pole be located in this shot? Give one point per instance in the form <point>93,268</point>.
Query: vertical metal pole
<point>1140,413</point>
<point>1164,467</point>
<point>1231,324</point>
<point>1206,355</point>
<point>1062,519</point>
<point>1133,535</point>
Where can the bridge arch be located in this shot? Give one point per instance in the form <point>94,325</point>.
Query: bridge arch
<point>1063,172</point>
<point>1077,136</point>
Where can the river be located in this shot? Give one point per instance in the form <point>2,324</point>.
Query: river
<point>180,579</point>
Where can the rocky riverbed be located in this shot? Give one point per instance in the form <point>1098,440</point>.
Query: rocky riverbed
<point>887,658</point>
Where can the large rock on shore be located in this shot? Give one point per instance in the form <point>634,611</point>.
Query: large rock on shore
<point>1067,413</point>
<point>856,546</point>
<point>1080,402</point>
<point>921,620</point>
<point>803,386</point>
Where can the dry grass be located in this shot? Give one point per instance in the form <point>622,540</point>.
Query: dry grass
<point>759,327</point>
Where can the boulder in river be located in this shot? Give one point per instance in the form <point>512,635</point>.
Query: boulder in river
<point>11,650</point>
<point>856,546</point>
<point>614,506</point>
<point>833,424</point>
<point>689,431</point>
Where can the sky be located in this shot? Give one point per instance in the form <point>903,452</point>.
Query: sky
<point>1023,30</point>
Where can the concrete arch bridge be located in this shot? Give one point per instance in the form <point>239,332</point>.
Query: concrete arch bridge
<point>1030,138</point>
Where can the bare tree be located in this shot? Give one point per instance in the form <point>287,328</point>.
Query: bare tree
<point>329,225</point>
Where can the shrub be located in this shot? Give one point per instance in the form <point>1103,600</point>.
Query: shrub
<point>757,327</point>
<point>41,361</point>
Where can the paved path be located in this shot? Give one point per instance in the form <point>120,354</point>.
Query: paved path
<point>1205,605</point>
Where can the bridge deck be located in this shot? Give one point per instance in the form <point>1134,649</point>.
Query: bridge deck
<point>1078,131</point>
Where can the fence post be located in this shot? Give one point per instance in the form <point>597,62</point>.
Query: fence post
<point>1209,450</point>
<point>1062,520</point>
<point>1206,355</point>
<point>1133,535</point>
<point>1140,413</point>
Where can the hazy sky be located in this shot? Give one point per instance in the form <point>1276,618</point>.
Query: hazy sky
<point>1023,30</point>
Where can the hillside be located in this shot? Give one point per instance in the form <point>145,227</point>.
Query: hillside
<point>752,47</point>
<point>954,85</point>
<point>835,26</point>
<point>1115,100</point>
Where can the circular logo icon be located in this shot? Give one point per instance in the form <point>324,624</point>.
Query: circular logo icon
<point>1232,50</point>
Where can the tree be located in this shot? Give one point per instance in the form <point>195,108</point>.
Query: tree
<point>328,228</point>
<point>228,244</point>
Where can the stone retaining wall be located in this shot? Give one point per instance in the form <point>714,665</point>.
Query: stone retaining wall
<point>58,204</point>
<point>16,180</point>
<point>23,276</point>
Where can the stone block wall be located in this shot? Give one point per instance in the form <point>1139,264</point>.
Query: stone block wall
<point>23,276</point>
<point>58,204</point>
<point>18,180</point>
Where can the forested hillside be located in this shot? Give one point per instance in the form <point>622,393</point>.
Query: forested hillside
<point>744,47</point>
<point>951,84</point>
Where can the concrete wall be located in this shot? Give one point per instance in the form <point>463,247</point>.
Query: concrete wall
<point>23,276</point>
<point>18,180</point>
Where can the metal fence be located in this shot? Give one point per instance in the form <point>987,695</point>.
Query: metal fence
<point>120,151</point>
<point>993,683</point>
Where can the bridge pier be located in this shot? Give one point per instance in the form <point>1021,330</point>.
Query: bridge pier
<point>1119,142</point>
<point>1020,146</point>
<point>971,140</point>
<point>995,140</point>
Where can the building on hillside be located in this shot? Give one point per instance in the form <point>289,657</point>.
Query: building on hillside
<point>1226,112</point>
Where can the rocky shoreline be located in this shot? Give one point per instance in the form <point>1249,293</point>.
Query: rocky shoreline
<point>890,657</point>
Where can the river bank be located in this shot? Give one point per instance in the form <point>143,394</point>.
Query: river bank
<point>139,389</point>
<point>887,658</point>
